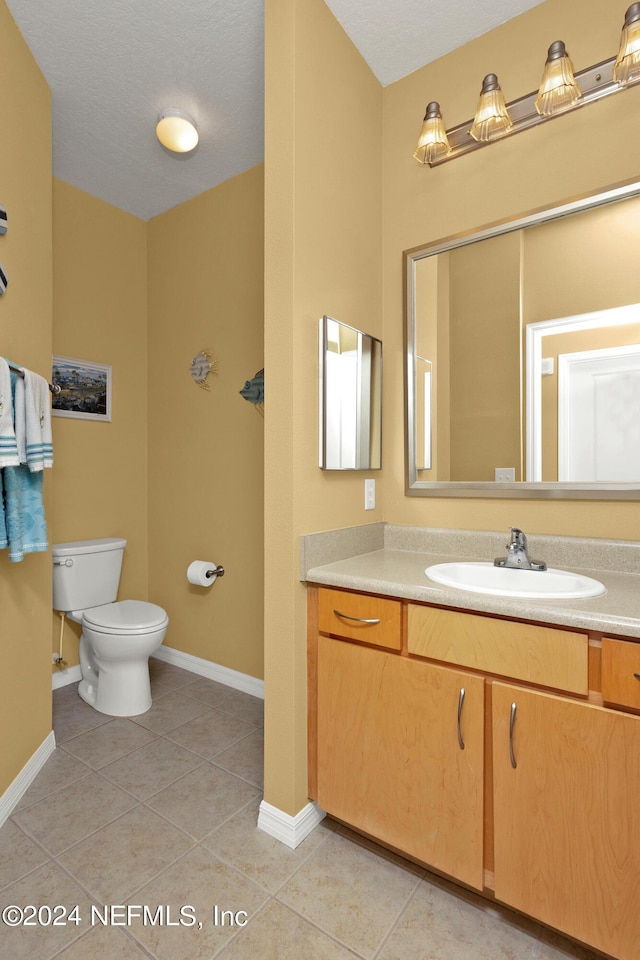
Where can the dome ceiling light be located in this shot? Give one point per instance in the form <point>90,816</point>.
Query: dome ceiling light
<point>177,131</point>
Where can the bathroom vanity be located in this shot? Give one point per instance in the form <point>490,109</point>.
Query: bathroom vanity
<point>496,741</point>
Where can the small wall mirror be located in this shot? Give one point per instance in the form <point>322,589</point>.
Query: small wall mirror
<point>522,367</point>
<point>350,398</point>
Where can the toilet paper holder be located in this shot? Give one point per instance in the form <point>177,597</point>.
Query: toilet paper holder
<point>216,572</point>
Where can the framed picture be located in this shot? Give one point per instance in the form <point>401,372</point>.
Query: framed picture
<point>85,389</point>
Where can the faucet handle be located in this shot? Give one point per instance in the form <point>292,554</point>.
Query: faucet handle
<point>518,539</point>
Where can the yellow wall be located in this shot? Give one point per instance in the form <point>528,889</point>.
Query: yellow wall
<point>553,162</point>
<point>205,493</point>
<point>100,314</point>
<point>25,336</point>
<point>322,255</point>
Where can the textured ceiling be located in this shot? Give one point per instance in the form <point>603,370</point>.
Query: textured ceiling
<point>112,67</point>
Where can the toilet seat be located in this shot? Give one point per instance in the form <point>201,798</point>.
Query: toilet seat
<point>125,618</point>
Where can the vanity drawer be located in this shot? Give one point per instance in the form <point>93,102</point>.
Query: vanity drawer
<point>521,651</point>
<point>621,673</point>
<point>358,617</point>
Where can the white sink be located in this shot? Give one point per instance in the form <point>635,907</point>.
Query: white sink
<point>510,582</point>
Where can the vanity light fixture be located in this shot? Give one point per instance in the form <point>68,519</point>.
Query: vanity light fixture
<point>433,143</point>
<point>627,66</point>
<point>492,117</point>
<point>558,87</point>
<point>560,92</point>
<point>177,131</point>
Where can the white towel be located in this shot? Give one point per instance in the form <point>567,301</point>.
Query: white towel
<point>37,409</point>
<point>9,456</point>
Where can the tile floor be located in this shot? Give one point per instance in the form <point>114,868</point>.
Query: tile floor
<point>159,813</point>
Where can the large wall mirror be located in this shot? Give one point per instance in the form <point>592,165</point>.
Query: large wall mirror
<point>350,398</point>
<point>522,374</point>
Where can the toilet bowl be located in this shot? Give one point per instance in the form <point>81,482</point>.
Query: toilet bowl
<point>116,643</point>
<point>118,637</point>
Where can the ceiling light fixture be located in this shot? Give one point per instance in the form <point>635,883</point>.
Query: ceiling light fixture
<point>560,92</point>
<point>177,131</point>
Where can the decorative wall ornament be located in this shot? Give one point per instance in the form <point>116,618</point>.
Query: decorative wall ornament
<point>201,366</point>
<point>253,391</point>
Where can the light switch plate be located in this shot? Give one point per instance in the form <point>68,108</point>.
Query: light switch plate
<point>369,494</point>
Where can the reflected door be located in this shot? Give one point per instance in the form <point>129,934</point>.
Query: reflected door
<point>599,415</point>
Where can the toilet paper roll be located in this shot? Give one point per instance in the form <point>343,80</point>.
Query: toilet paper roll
<point>201,572</point>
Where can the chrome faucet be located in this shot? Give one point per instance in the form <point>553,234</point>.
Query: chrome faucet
<point>517,556</point>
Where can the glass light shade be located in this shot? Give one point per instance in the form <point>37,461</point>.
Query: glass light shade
<point>492,118</point>
<point>433,143</point>
<point>627,66</point>
<point>176,131</point>
<point>558,87</point>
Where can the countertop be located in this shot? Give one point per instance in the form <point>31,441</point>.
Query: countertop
<point>400,573</point>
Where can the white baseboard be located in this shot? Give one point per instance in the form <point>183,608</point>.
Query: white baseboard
<point>289,830</point>
<point>14,792</point>
<point>204,668</point>
<point>61,678</point>
<point>212,671</point>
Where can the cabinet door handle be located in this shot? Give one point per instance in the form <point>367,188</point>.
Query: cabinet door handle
<point>512,721</point>
<point>637,676</point>
<point>460,703</point>
<point>345,616</point>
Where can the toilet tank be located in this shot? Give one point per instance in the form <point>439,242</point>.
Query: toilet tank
<point>86,573</point>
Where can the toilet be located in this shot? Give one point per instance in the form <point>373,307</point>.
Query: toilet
<point>118,637</point>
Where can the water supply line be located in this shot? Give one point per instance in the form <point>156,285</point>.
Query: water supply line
<point>57,657</point>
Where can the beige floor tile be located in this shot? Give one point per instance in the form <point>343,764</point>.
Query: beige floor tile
<point>72,716</point>
<point>278,934</point>
<point>104,943</point>
<point>202,882</point>
<point>49,885</point>
<point>202,800</point>
<point>18,854</point>
<point>80,808</point>
<point>263,858</point>
<point>210,733</point>
<point>245,758</point>
<point>208,691</point>
<point>446,923</point>
<point>553,946</point>
<point>151,768</point>
<point>114,862</point>
<point>169,712</point>
<point>109,742</point>
<point>168,674</point>
<point>241,705</point>
<point>59,771</point>
<point>350,893</point>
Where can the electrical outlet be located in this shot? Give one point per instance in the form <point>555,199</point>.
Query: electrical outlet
<point>505,474</point>
<point>369,494</point>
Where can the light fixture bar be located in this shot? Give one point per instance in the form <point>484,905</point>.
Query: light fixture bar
<point>595,82</point>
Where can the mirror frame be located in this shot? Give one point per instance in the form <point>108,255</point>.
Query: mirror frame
<point>530,490</point>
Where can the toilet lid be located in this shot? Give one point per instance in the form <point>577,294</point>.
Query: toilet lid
<point>126,616</point>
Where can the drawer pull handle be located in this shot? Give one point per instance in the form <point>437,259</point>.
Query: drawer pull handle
<point>637,676</point>
<point>512,721</point>
<point>460,703</point>
<point>345,616</point>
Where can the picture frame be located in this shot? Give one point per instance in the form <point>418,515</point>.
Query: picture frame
<point>85,389</point>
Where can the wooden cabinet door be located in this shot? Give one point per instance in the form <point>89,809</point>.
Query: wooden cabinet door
<point>389,759</point>
<point>567,816</point>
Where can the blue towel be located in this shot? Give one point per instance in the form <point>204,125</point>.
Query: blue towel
<point>26,528</point>
<point>22,524</point>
